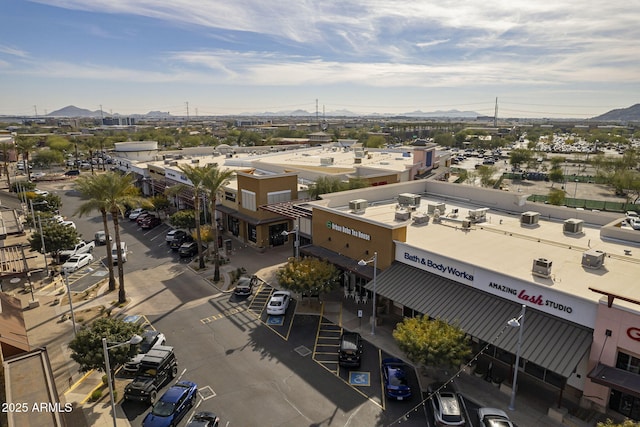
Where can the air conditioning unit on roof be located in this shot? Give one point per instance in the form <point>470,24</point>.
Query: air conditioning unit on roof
<point>593,258</point>
<point>573,226</point>
<point>358,205</point>
<point>541,267</point>
<point>408,199</point>
<point>529,218</point>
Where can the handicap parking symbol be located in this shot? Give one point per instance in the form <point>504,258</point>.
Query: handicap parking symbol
<point>275,320</point>
<point>359,378</point>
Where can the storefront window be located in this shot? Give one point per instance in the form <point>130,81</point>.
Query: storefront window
<point>625,404</point>
<point>252,233</point>
<point>628,363</point>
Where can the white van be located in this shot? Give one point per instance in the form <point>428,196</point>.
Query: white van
<point>123,251</point>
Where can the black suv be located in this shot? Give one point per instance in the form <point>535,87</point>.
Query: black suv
<point>350,351</point>
<point>157,367</point>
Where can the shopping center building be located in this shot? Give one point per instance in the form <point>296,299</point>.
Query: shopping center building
<point>468,255</point>
<point>474,256</point>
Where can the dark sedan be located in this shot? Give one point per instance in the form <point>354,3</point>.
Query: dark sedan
<point>150,221</point>
<point>179,240</point>
<point>188,250</point>
<point>394,377</point>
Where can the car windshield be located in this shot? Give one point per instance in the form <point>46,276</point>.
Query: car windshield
<point>397,377</point>
<point>163,409</point>
<point>450,407</point>
<point>145,345</point>
<point>276,303</point>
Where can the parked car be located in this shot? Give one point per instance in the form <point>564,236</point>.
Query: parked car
<point>190,249</point>
<point>172,233</point>
<point>43,193</point>
<point>244,287</point>
<point>278,303</point>
<point>447,408</point>
<point>173,405</point>
<point>180,240</point>
<point>136,213</point>
<point>142,216</point>
<point>37,175</point>
<point>76,262</point>
<point>394,378</point>
<point>350,350</point>
<point>493,417</point>
<point>150,339</point>
<point>100,238</point>
<point>69,223</point>
<point>150,222</point>
<point>204,419</point>
<point>72,172</point>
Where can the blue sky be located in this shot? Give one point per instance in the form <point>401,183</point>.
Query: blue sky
<point>545,58</point>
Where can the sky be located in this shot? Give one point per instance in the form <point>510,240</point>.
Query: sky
<point>543,58</point>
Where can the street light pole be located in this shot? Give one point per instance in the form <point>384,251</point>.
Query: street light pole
<point>516,323</point>
<point>44,251</point>
<point>136,339</point>
<point>375,273</point>
<point>296,243</point>
<point>73,316</point>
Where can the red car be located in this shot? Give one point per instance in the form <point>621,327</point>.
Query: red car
<point>141,217</point>
<point>150,222</point>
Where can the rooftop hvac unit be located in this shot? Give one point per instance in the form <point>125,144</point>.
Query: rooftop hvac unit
<point>359,154</point>
<point>573,226</point>
<point>357,160</point>
<point>466,224</point>
<point>478,215</point>
<point>326,161</point>
<point>403,215</point>
<point>431,208</point>
<point>195,160</point>
<point>529,218</point>
<point>358,205</point>
<point>593,258</point>
<point>420,218</point>
<point>542,267</point>
<point>173,163</point>
<point>408,199</point>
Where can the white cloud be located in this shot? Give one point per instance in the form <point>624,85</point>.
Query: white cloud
<point>8,50</point>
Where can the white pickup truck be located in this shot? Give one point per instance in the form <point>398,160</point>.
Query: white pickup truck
<point>81,247</point>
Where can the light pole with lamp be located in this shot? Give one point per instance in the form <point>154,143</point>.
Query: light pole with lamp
<point>297,241</point>
<point>136,339</point>
<point>375,271</point>
<point>516,323</point>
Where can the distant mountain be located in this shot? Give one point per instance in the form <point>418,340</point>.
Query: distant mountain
<point>440,113</point>
<point>73,111</point>
<point>629,114</point>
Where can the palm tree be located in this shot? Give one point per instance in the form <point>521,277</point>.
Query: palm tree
<point>25,145</point>
<point>5,149</point>
<point>93,188</point>
<point>215,179</point>
<point>197,176</point>
<point>109,193</point>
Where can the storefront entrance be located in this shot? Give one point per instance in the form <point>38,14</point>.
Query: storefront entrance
<point>275,234</point>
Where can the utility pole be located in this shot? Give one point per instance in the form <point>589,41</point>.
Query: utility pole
<point>35,108</point>
<point>495,115</point>
<point>187,103</point>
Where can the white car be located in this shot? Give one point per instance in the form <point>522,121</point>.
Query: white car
<point>43,193</point>
<point>37,175</point>
<point>136,213</point>
<point>633,223</point>
<point>68,223</point>
<point>279,303</point>
<point>76,262</point>
<point>490,417</point>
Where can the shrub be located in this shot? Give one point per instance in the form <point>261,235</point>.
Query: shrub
<point>96,394</point>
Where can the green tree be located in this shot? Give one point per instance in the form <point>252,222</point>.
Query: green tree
<point>215,180</point>
<point>196,175</point>
<point>160,203</point>
<point>308,276</point>
<point>626,423</point>
<point>556,197</point>
<point>86,347</point>
<point>109,193</point>
<point>486,175</point>
<point>6,148</point>
<point>375,141</point>
<point>184,219</point>
<point>556,175</point>
<point>25,145</point>
<point>432,342</point>
<point>519,156</point>
<point>57,237</point>
<point>46,158</point>
<point>326,185</point>
<point>444,139</point>
<point>58,143</point>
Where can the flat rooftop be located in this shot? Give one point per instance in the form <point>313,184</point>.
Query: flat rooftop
<point>502,244</point>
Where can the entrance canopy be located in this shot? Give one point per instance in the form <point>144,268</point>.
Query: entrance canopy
<point>625,381</point>
<point>550,342</point>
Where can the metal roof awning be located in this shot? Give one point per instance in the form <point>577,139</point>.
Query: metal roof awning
<point>548,341</point>
<point>293,209</point>
<point>343,262</point>
<point>625,381</point>
<point>246,218</point>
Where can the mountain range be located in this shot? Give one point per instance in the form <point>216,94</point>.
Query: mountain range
<point>628,114</point>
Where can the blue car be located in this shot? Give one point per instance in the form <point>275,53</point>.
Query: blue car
<point>172,406</point>
<point>394,377</point>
